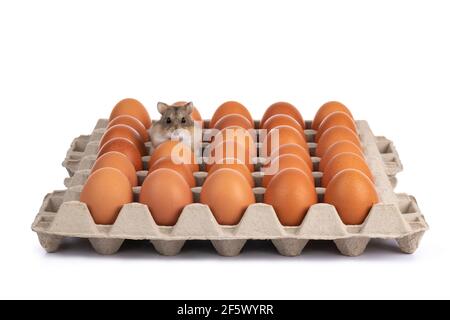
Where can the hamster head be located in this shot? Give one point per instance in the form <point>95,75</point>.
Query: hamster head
<point>176,123</point>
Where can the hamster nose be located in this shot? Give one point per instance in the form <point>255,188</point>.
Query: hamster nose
<point>177,136</point>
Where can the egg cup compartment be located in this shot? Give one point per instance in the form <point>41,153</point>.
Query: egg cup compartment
<point>397,216</point>
<point>79,144</point>
<point>390,156</point>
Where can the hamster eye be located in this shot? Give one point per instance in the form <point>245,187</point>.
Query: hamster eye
<point>183,120</point>
<point>168,120</point>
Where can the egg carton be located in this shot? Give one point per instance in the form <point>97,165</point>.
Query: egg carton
<point>397,216</point>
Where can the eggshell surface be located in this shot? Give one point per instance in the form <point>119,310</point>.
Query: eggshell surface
<point>132,122</point>
<point>282,108</point>
<point>177,151</point>
<point>125,147</point>
<point>127,132</point>
<point>228,195</point>
<point>234,164</point>
<point>230,149</point>
<point>132,107</point>
<point>282,135</point>
<point>353,195</point>
<point>283,162</point>
<point>337,148</point>
<point>233,119</point>
<point>336,119</point>
<point>230,107</point>
<point>342,161</point>
<point>239,134</point>
<point>181,168</point>
<point>294,149</point>
<point>233,142</point>
<point>326,109</point>
<point>118,161</point>
<point>283,120</point>
<point>333,135</point>
<point>291,194</point>
<point>166,193</point>
<point>105,193</point>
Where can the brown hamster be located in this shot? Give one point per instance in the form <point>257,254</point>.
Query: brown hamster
<point>176,123</point>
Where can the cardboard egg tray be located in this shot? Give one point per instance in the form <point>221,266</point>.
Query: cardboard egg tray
<point>397,216</point>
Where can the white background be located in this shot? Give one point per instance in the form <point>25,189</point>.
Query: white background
<point>64,64</point>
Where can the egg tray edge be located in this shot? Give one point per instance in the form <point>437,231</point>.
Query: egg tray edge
<point>258,223</point>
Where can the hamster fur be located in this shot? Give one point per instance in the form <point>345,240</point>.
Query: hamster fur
<point>176,123</point>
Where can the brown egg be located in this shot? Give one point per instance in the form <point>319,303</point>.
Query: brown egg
<point>227,108</point>
<point>282,108</point>
<point>337,148</point>
<point>181,154</point>
<point>327,109</point>
<point>195,113</point>
<point>228,195</point>
<point>342,161</point>
<point>333,135</point>
<point>231,149</point>
<point>336,119</point>
<point>127,132</point>
<point>181,168</point>
<point>353,195</point>
<point>118,161</point>
<point>132,122</point>
<point>291,194</point>
<point>105,192</point>
<point>283,120</point>
<point>236,133</point>
<point>234,164</point>
<point>166,193</point>
<point>286,135</point>
<point>233,120</point>
<point>283,162</point>
<point>294,149</point>
<point>132,107</point>
<point>125,147</point>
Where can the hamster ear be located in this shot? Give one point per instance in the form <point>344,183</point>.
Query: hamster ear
<point>189,107</point>
<point>162,107</point>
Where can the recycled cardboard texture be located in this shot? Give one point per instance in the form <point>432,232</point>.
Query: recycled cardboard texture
<point>397,216</point>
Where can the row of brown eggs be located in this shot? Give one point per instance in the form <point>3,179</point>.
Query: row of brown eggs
<point>288,173</point>
<point>228,188</point>
<point>346,174</point>
<point>126,133</point>
<point>167,188</point>
<point>291,187</point>
<point>113,174</point>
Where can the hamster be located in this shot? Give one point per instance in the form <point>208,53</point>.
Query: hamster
<point>176,123</point>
